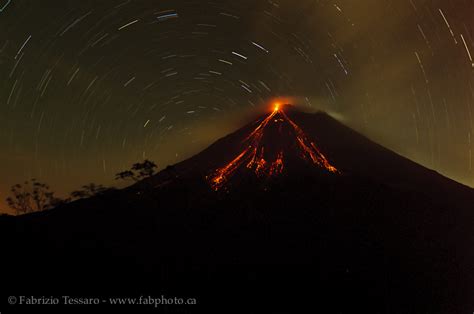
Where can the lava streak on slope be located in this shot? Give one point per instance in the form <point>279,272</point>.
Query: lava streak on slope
<point>267,147</point>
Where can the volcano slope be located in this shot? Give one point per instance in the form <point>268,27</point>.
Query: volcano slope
<point>292,210</point>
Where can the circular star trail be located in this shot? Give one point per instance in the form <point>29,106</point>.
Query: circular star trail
<point>89,87</point>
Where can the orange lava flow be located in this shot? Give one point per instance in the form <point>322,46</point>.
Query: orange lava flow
<point>252,157</point>
<point>221,174</point>
<point>316,156</point>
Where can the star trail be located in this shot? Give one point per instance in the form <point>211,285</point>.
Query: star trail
<point>89,87</point>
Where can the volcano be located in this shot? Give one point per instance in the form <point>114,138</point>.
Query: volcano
<point>292,210</point>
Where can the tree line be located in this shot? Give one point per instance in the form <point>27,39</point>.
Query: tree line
<point>34,196</point>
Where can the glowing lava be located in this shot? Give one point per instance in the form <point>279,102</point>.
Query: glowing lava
<point>277,107</point>
<point>270,162</point>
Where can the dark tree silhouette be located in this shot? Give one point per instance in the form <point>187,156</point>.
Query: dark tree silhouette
<point>124,175</point>
<point>145,169</point>
<point>32,196</point>
<point>89,190</point>
<point>139,171</point>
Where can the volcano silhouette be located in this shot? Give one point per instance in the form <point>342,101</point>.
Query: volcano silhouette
<point>292,210</point>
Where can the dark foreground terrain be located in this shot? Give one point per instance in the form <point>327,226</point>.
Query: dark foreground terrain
<point>383,235</point>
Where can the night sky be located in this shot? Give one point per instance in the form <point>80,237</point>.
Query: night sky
<point>89,87</point>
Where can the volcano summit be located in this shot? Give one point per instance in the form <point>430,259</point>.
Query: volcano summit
<point>275,142</point>
<point>294,209</point>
